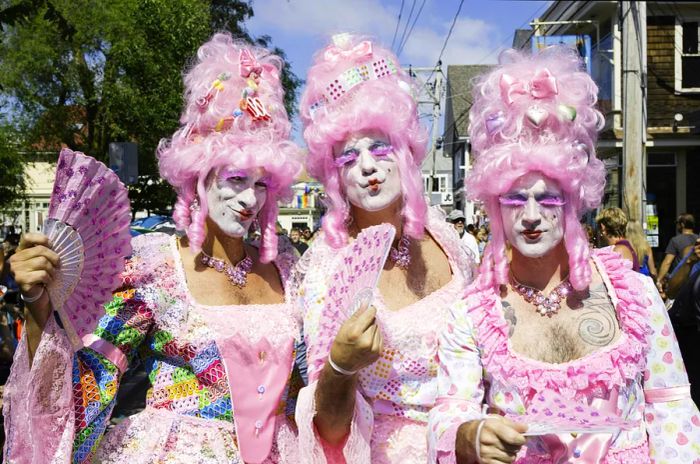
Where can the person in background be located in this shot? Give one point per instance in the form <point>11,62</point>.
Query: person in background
<point>456,217</point>
<point>684,288</point>
<point>295,236</point>
<point>590,233</point>
<point>685,224</point>
<point>612,224</point>
<point>482,237</point>
<point>306,235</point>
<point>636,236</point>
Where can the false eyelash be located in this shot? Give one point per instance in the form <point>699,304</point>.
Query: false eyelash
<point>553,201</point>
<point>381,149</point>
<point>548,201</point>
<point>347,157</point>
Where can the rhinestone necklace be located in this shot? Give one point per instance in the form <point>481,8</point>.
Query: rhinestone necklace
<point>548,305</point>
<point>401,255</point>
<point>238,274</point>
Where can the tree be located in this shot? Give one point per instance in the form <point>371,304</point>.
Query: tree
<point>86,76</point>
<point>12,181</point>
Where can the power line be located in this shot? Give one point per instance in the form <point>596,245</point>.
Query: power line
<point>398,21</point>
<point>449,33</point>
<point>398,53</point>
<point>444,45</point>
<point>405,27</point>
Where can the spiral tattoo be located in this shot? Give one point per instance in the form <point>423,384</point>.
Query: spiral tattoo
<point>598,323</point>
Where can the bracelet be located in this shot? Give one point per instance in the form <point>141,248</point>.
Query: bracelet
<point>477,445</point>
<point>32,299</point>
<point>339,369</point>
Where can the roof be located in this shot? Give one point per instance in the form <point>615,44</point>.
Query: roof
<point>460,80</point>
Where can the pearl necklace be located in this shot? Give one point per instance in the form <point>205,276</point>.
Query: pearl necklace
<point>546,305</point>
<point>238,274</point>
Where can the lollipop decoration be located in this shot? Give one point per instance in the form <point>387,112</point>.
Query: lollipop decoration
<point>88,227</point>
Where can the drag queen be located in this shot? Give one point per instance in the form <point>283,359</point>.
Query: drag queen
<point>553,333</point>
<point>369,400</point>
<point>205,312</point>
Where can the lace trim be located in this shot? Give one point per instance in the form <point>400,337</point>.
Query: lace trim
<point>605,369</point>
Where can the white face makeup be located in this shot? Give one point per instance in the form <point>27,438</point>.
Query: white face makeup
<point>532,212</point>
<point>235,197</point>
<point>368,171</point>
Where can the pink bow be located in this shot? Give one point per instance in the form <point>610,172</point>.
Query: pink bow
<point>249,65</point>
<point>542,85</point>
<point>334,53</point>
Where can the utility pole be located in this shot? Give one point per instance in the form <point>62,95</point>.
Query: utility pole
<point>431,94</point>
<point>634,22</point>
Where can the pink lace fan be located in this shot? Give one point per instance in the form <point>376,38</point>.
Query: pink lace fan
<point>88,226</point>
<point>352,283</point>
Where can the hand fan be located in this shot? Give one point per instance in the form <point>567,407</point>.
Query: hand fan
<point>549,414</point>
<point>88,227</point>
<point>351,283</point>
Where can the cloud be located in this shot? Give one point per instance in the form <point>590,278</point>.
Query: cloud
<point>471,42</point>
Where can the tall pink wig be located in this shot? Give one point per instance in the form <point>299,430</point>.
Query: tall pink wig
<point>218,130</point>
<point>536,113</point>
<point>355,85</point>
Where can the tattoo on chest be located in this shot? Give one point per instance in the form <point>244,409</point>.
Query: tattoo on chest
<point>597,324</point>
<point>509,315</point>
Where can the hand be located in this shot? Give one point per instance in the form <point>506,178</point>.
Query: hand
<point>499,441</point>
<point>359,340</point>
<point>695,256</point>
<point>33,266</point>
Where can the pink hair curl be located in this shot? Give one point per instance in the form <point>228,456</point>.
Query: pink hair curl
<point>385,104</point>
<point>197,149</point>
<point>508,142</point>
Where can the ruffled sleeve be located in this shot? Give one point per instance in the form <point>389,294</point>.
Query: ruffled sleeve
<point>309,295</point>
<point>73,393</point>
<point>460,384</point>
<point>672,419</point>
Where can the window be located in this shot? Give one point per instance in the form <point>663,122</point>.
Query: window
<point>689,57</point>
<point>439,185</point>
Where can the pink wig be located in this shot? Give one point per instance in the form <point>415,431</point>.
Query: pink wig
<point>217,130</point>
<point>536,113</point>
<point>356,86</point>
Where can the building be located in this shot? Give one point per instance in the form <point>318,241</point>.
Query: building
<point>30,214</point>
<point>672,96</point>
<point>306,207</point>
<point>456,141</point>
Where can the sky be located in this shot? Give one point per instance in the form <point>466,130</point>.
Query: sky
<point>483,27</point>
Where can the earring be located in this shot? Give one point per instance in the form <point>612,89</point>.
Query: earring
<point>194,206</point>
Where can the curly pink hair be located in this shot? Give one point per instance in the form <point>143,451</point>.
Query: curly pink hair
<point>197,149</point>
<point>507,143</point>
<point>383,104</point>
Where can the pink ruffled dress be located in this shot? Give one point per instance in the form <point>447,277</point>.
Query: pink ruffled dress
<point>221,376</point>
<point>640,377</point>
<point>396,392</point>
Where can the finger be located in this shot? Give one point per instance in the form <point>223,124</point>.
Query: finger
<point>377,342</point>
<point>509,435</point>
<point>31,239</point>
<point>37,250</point>
<point>35,278</point>
<point>366,319</point>
<point>367,337</point>
<point>490,454</point>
